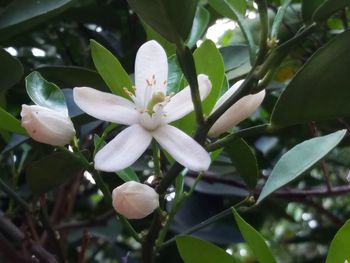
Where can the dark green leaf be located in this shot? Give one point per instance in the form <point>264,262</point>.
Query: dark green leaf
<point>244,160</point>
<point>70,77</point>
<point>328,8</point>
<point>151,34</point>
<point>110,69</point>
<point>235,10</point>
<point>10,123</point>
<point>20,15</point>
<point>308,8</point>
<point>199,26</point>
<point>339,248</point>
<point>279,18</point>
<point>128,174</point>
<point>45,174</point>
<point>174,75</point>
<point>172,19</point>
<point>45,93</point>
<point>194,250</point>
<point>320,90</point>
<point>11,70</point>
<point>254,240</point>
<point>298,160</point>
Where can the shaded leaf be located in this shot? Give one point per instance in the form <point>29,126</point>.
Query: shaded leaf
<point>152,34</point>
<point>298,160</point>
<point>51,171</point>
<point>10,123</point>
<point>44,93</point>
<point>174,75</point>
<point>128,174</point>
<point>199,26</point>
<point>244,160</point>
<point>308,8</point>
<point>172,19</point>
<point>328,8</point>
<point>110,69</point>
<point>320,90</point>
<point>11,70</point>
<point>254,240</point>
<point>194,250</point>
<point>234,56</point>
<point>339,248</point>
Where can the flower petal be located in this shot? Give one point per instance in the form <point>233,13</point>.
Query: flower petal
<point>238,112</point>
<point>105,106</point>
<point>151,71</point>
<point>181,103</point>
<point>183,148</point>
<point>227,94</point>
<point>123,150</point>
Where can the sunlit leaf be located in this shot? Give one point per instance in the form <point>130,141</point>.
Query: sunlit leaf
<point>339,248</point>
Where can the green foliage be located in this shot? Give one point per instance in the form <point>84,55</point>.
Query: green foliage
<point>200,23</point>
<point>10,123</point>
<point>110,69</point>
<point>11,70</point>
<point>298,160</point>
<point>339,248</point>
<point>328,8</point>
<point>44,93</point>
<point>194,250</point>
<point>128,174</point>
<point>254,240</point>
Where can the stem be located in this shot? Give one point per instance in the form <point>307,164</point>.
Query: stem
<point>15,196</point>
<point>156,159</point>
<point>264,30</point>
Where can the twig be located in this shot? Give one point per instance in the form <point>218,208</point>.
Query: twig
<point>86,240</point>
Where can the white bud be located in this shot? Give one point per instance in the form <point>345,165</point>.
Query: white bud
<point>135,200</point>
<point>46,125</point>
<point>238,112</point>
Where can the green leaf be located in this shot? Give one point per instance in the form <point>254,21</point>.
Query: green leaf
<point>70,77</point>
<point>110,69</point>
<point>208,61</point>
<point>235,9</point>
<point>244,160</point>
<point>54,169</point>
<point>21,15</point>
<point>128,174</point>
<point>172,19</point>
<point>152,34</point>
<point>174,75</point>
<point>10,123</point>
<point>308,8</point>
<point>194,250</point>
<point>339,248</point>
<point>320,90</point>
<point>11,70</point>
<point>44,93</point>
<point>234,56</point>
<point>298,160</point>
<point>199,26</point>
<point>254,240</point>
<point>328,8</point>
<point>279,18</point>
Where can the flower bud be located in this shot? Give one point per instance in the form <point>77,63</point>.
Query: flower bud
<point>46,125</point>
<point>135,200</point>
<point>238,112</point>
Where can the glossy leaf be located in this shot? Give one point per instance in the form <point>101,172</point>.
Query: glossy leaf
<point>172,19</point>
<point>70,77</point>
<point>328,8</point>
<point>110,69</point>
<point>10,123</point>
<point>339,248</point>
<point>244,160</point>
<point>298,160</point>
<point>254,240</point>
<point>194,250</point>
<point>234,56</point>
<point>199,26</point>
<point>20,15</point>
<point>51,171</point>
<point>11,70</point>
<point>44,93</point>
<point>174,75</point>
<point>234,9</point>
<point>128,174</point>
<point>320,90</point>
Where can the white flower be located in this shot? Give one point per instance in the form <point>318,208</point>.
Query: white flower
<point>148,115</point>
<point>46,125</point>
<point>239,111</point>
<point>135,200</point>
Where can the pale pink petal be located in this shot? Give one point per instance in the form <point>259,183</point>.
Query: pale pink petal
<point>105,106</point>
<point>182,148</point>
<point>181,103</point>
<point>227,94</point>
<point>151,71</point>
<point>123,150</point>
